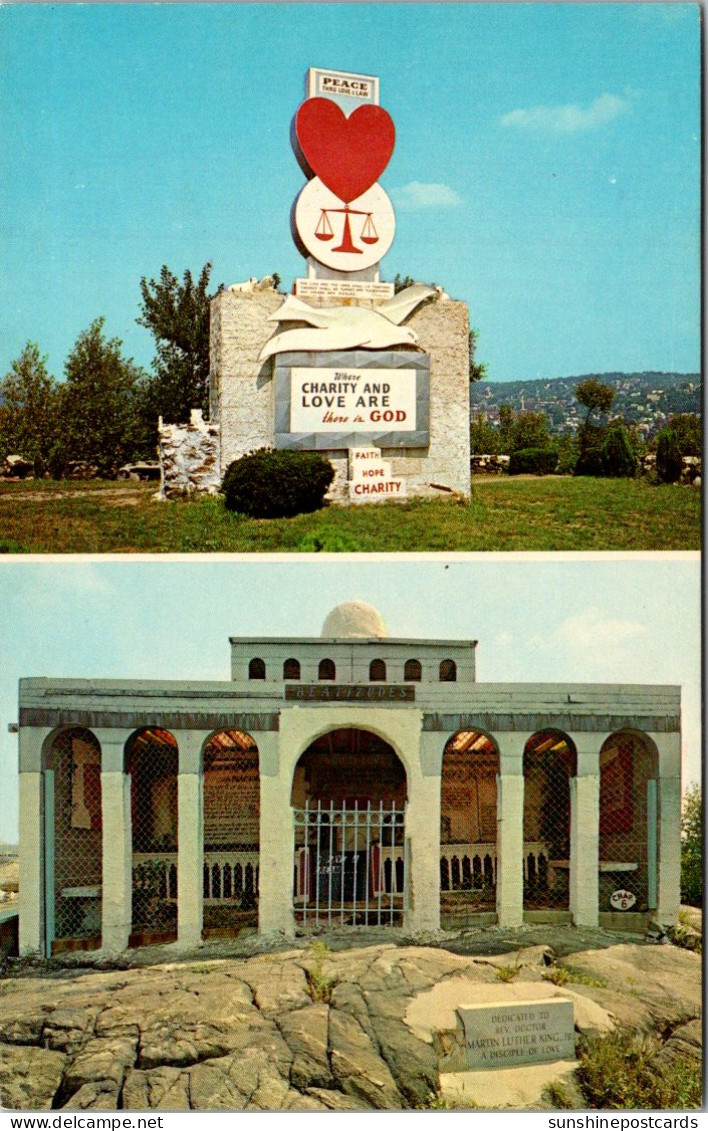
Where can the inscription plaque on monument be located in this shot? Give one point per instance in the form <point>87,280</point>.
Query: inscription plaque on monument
<point>524,1032</point>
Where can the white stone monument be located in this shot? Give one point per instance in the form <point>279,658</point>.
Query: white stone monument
<point>343,363</point>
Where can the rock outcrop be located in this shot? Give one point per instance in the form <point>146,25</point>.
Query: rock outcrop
<point>263,1033</point>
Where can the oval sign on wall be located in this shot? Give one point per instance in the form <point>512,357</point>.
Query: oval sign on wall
<point>622,900</point>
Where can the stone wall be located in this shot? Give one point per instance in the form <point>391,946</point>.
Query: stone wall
<point>489,464</point>
<point>189,457</point>
<point>242,400</point>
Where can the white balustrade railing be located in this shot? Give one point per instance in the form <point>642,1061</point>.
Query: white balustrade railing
<point>476,865</point>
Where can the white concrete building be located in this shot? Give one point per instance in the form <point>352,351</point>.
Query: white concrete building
<point>344,779</point>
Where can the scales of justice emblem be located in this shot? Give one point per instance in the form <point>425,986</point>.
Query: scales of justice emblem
<point>343,218</point>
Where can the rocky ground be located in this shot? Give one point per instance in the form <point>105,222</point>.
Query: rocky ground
<point>339,1028</point>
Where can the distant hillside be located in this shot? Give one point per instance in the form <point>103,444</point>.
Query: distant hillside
<point>645,399</point>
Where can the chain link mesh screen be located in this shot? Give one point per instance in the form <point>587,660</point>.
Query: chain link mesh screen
<point>468,826</point>
<point>627,813</point>
<point>549,764</point>
<point>75,763</point>
<point>231,832</point>
<point>152,762</point>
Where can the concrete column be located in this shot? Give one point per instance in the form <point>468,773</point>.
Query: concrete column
<point>669,888</point>
<point>116,841</point>
<point>510,829</point>
<point>276,856</point>
<point>117,890</point>
<point>585,829</point>
<point>422,912</point>
<point>585,849</point>
<point>190,838</point>
<point>31,822</point>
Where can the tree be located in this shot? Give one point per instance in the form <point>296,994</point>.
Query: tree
<point>593,394</point>
<point>506,425</point>
<point>530,430</point>
<point>478,370</point>
<point>692,848</point>
<point>28,412</point>
<point>177,316</point>
<point>99,404</point>
<point>484,438</point>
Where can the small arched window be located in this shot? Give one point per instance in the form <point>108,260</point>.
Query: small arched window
<point>256,669</point>
<point>327,670</point>
<point>448,671</point>
<point>377,671</point>
<point>412,671</point>
<point>291,669</point>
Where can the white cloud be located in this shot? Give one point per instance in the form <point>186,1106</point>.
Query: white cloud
<point>569,118</point>
<point>418,195</point>
<point>598,643</point>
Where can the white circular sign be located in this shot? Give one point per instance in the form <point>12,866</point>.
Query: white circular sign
<point>346,237</point>
<point>622,900</point>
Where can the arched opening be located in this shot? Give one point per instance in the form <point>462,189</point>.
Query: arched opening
<point>549,764</point>
<point>231,833</point>
<point>256,668</point>
<point>348,796</point>
<point>326,670</point>
<point>377,671</point>
<point>628,823</point>
<point>73,821</point>
<point>448,671</point>
<point>413,671</point>
<point>291,669</point>
<point>152,761</point>
<point>468,827</point>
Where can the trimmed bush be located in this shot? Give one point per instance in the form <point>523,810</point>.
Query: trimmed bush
<point>618,458</point>
<point>533,461</point>
<point>276,484</point>
<point>668,456</point>
<point>590,462</point>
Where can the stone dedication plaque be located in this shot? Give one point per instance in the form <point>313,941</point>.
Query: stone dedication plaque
<point>524,1032</point>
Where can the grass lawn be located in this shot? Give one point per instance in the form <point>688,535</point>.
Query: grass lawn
<point>519,513</point>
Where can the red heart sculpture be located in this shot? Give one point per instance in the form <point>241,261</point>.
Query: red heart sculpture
<point>347,154</point>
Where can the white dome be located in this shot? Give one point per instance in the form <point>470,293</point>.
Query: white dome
<point>354,618</point>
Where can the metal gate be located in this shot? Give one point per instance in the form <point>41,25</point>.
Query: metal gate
<point>350,864</point>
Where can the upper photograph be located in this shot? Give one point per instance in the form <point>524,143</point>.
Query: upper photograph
<point>350,278</point>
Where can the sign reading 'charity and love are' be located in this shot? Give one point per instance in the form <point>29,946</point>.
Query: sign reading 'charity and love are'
<point>352,400</point>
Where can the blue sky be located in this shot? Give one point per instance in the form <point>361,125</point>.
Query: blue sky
<point>546,168</point>
<point>565,618</point>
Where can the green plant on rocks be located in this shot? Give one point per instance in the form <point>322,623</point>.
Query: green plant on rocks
<point>506,973</point>
<point>620,1071</point>
<point>320,985</point>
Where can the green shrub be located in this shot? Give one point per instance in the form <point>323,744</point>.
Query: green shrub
<point>533,461</point>
<point>618,458</point>
<point>668,456</point>
<point>692,848</point>
<point>276,484</point>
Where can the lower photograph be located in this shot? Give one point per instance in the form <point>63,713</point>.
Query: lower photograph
<point>351,835</point>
